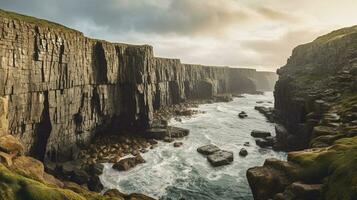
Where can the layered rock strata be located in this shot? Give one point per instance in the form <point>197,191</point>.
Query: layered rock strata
<point>315,104</point>
<point>58,87</point>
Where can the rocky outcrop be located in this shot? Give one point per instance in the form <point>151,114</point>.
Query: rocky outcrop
<point>317,76</point>
<point>58,87</point>
<point>23,177</point>
<point>315,100</point>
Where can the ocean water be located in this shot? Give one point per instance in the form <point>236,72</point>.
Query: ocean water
<point>183,173</point>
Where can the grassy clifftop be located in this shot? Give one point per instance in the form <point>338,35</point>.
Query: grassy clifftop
<point>34,20</point>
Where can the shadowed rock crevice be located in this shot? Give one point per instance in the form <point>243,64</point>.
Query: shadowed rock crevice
<point>100,65</point>
<point>42,131</point>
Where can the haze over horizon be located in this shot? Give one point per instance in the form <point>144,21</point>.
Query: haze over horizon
<point>238,33</point>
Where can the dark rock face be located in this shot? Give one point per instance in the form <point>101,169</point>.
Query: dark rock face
<point>58,87</point>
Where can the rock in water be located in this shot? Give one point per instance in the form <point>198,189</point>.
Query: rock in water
<point>220,158</point>
<point>265,142</point>
<point>128,163</point>
<point>243,152</point>
<point>260,134</point>
<point>208,149</point>
<point>242,115</point>
<point>178,144</point>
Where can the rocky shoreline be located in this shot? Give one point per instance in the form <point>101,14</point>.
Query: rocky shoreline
<point>124,150</point>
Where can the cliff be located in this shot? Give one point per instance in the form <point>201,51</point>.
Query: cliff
<point>58,87</point>
<point>316,106</point>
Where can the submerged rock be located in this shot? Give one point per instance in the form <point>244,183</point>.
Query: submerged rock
<point>178,144</point>
<point>243,152</point>
<point>208,149</point>
<point>242,115</point>
<point>220,158</point>
<point>260,134</point>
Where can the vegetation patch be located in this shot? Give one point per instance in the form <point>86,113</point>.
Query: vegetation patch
<point>16,187</point>
<point>333,166</point>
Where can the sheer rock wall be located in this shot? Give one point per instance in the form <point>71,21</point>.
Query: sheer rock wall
<point>58,87</point>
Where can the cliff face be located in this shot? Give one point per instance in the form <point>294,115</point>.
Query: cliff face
<point>317,75</point>
<point>316,104</point>
<point>58,87</point>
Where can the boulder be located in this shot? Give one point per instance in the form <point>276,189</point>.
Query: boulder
<point>265,142</point>
<point>178,144</point>
<point>243,152</point>
<point>265,182</point>
<point>128,163</point>
<point>260,134</point>
<point>220,158</point>
<point>208,149</point>
<point>28,167</point>
<point>11,145</point>
<point>242,115</point>
<point>176,132</point>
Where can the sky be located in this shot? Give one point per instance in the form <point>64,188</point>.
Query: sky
<point>256,34</point>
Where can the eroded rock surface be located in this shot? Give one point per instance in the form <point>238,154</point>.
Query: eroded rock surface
<point>58,87</point>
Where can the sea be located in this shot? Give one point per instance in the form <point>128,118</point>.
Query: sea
<point>183,174</point>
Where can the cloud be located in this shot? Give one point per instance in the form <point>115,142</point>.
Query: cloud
<point>184,17</point>
<point>276,51</point>
<point>273,14</point>
<point>248,33</point>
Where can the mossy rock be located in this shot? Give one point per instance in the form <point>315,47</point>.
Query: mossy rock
<point>16,187</point>
<point>335,167</point>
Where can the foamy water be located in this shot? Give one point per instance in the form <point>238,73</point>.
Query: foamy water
<point>174,173</point>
